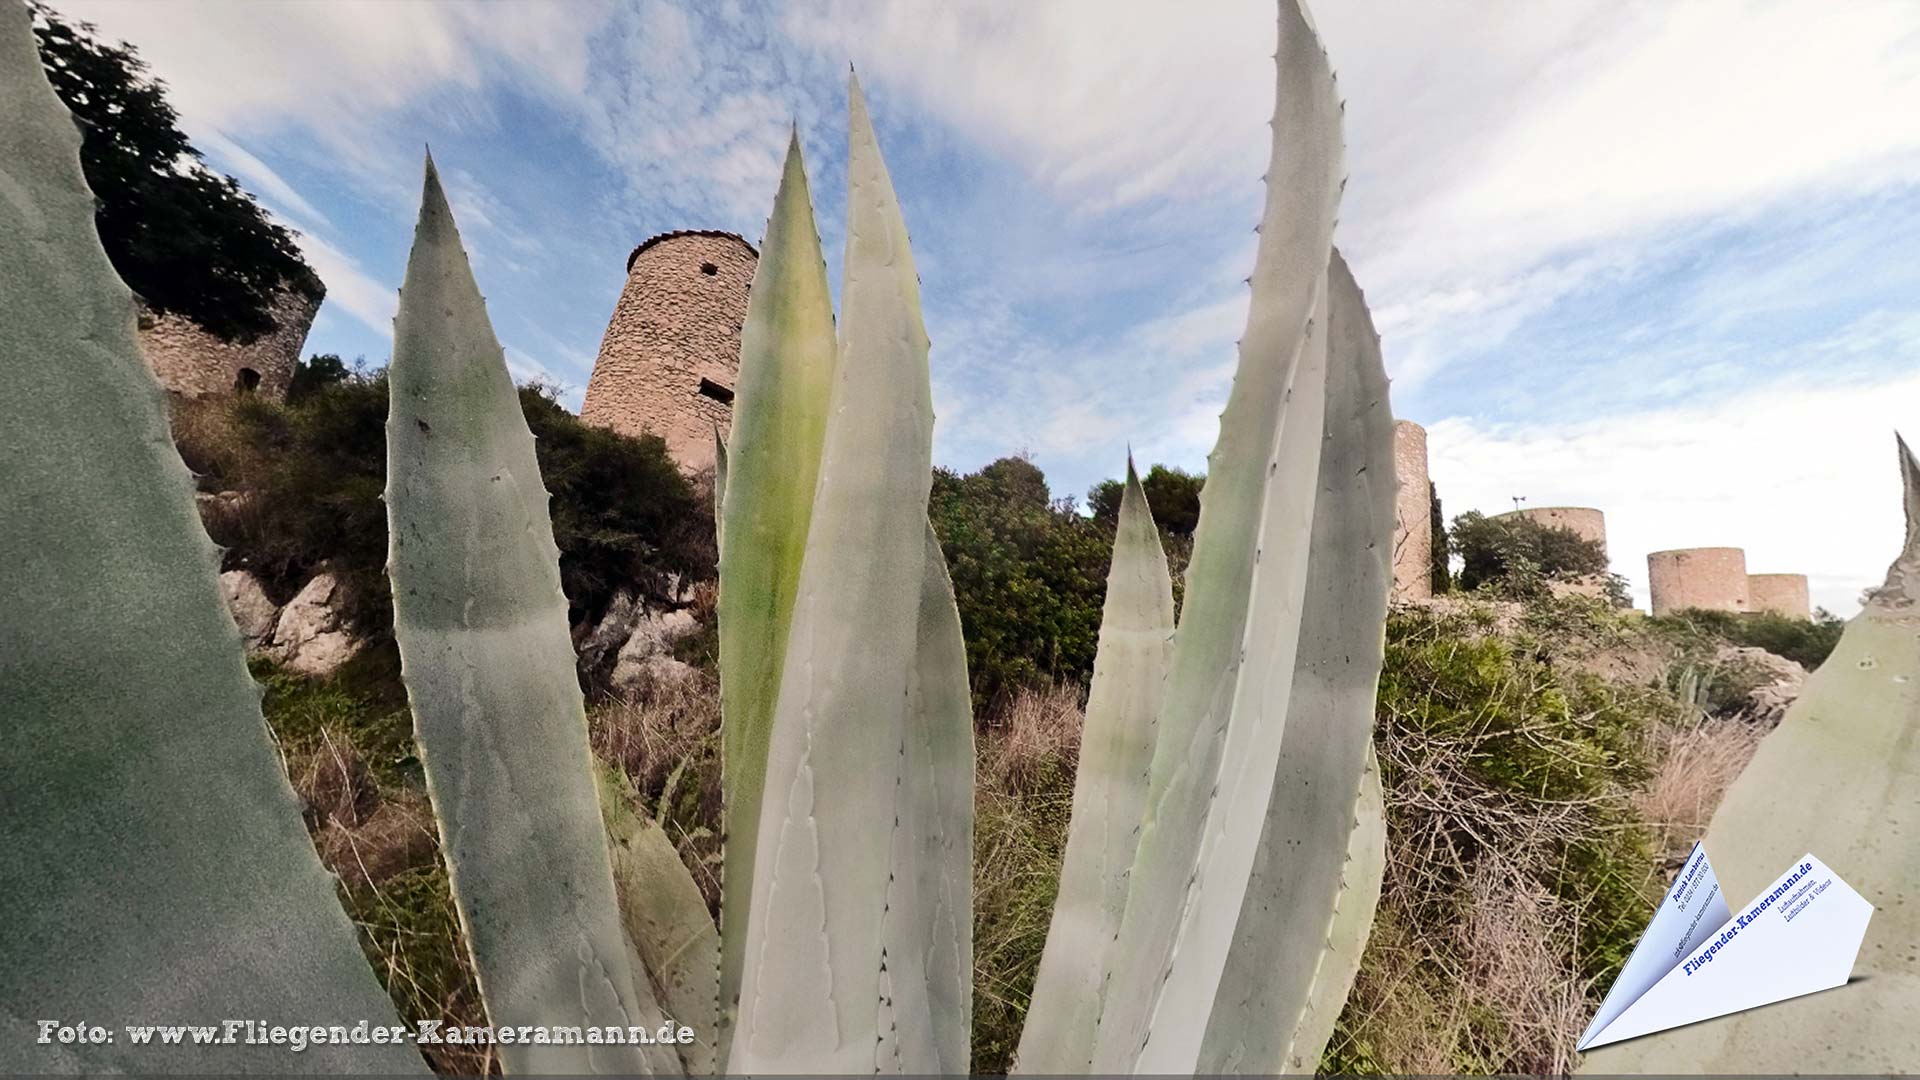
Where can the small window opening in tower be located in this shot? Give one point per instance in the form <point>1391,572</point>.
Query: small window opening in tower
<point>247,381</point>
<point>714,390</point>
<point>709,269</point>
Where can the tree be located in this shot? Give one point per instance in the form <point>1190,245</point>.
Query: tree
<point>184,238</point>
<point>1172,494</point>
<point>1439,553</point>
<point>316,373</point>
<point>1029,575</point>
<point>1511,551</point>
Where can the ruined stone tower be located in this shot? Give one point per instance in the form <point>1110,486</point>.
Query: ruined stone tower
<point>1782,594</point>
<point>672,349</point>
<point>1582,521</point>
<point>1714,579</point>
<point>192,361</point>
<point>1413,514</point>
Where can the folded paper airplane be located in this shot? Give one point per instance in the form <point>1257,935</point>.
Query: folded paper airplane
<point>1698,960</point>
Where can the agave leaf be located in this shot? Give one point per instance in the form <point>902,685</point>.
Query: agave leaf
<point>1347,937</point>
<point>156,868</point>
<point>927,983</point>
<point>719,486</point>
<point>812,965</point>
<point>1109,794</point>
<point>488,664</point>
<point>1187,873</point>
<point>1839,777</point>
<point>787,359</point>
<point>677,946</point>
<point>1303,875</point>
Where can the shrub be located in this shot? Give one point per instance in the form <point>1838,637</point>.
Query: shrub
<point>1806,642</point>
<point>1518,875</point>
<point>1172,494</point>
<point>1516,556</point>
<point>1029,576</point>
<point>311,472</point>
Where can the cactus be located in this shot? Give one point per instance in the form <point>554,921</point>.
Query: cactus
<point>1839,777</point>
<point>156,867</point>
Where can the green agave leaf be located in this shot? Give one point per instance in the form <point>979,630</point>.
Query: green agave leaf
<point>675,942</point>
<point>816,928</point>
<point>719,486</point>
<point>1304,873</point>
<point>156,869</point>
<point>1190,870</point>
<point>1109,794</point>
<point>489,669</point>
<point>927,979</point>
<point>1839,777</point>
<point>787,360</point>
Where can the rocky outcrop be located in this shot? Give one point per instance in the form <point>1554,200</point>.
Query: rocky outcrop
<point>647,655</point>
<point>1771,682</point>
<point>253,611</point>
<point>311,637</point>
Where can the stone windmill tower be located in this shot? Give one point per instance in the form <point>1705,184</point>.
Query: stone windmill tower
<point>672,350</point>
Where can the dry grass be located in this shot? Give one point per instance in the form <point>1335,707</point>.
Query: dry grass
<point>1030,738</point>
<point>1697,765</point>
<point>1023,796</point>
<point>665,735</point>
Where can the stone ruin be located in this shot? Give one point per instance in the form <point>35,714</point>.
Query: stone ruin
<point>192,361</point>
<point>1412,514</point>
<point>671,353</point>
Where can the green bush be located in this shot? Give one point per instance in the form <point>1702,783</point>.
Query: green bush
<point>1806,642</point>
<point>310,475</point>
<point>1172,494</point>
<point>1029,575</point>
<point>1517,556</point>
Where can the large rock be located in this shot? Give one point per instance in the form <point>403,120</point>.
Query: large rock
<point>252,611</point>
<point>648,652</point>
<point>1773,682</point>
<point>311,637</point>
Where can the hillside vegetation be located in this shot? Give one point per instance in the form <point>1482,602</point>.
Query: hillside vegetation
<point>1545,759</point>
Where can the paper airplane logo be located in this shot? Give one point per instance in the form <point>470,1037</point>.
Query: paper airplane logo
<point>1698,960</point>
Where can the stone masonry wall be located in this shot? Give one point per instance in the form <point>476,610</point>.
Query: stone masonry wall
<point>668,362</point>
<point>1783,594</point>
<point>1714,579</point>
<point>1413,514</point>
<point>1583,521</point>
<point>192,361</point>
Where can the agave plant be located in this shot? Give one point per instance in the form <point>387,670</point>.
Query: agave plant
<point>1226,841</point>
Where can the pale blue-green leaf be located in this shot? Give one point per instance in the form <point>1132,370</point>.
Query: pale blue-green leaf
<point>811,990</point>
<point>676,944</point>
<point>155,866</point>
<point>927,991</point>
<point>1109,794</point>
<point>787,359</point>
<point>1303,876</point>
<point>1303,187</point>
<point>489,669</point>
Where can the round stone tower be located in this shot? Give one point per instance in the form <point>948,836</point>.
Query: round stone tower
<point>1714,579</point>
<point>672,349</point>
<point>1782,594</point>
<point>192,361</point>
<point>1583,521</point>
<point>1413,514</point>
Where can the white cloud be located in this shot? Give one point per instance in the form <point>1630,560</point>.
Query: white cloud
<point>350,288</point>
<point>1802,474</point>
<point>279,195</point>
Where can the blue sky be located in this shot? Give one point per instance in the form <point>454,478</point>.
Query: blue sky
<point>1650,257</point>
